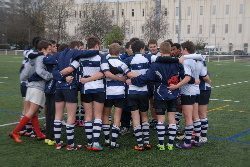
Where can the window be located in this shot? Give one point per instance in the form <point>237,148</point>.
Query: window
<point>84,14</point>
<point>133,12</point>
<point>113,13</point>
<point>200,29</point>
<point>80,14</point>
<point>241,8</point>
<point>122,12</point>
<point>75,14</point>
<point>214,10</point>
<point>240,28</point>
<point>246,47</point>
<point>165,12</point>
<point>226,28</point>
<point>143,12</point>
<point>213,28</point>
<point>230,49</point>
<point>176,29</point>
<point>142,29</point>
<point>189,11</point>
<point>177,11</point>
<point>188,29</point>
<point>201,10</point>
<point>227,9</point>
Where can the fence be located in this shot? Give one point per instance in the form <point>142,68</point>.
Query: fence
<point>11,52</point>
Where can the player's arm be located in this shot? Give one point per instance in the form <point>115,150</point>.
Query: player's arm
<point>143,80</point>
<point>207,79</point>
<point>72,67</point>
<point>96,76</point>
<point>195,57</point>
<point>41,71</point>
<point>34,55</point>
<point>84,54</point>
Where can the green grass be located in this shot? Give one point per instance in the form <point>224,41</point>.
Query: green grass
<point>218,152</point>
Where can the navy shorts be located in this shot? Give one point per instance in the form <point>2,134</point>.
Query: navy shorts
<point>66,95</point>
<point>169,105</point>
<point>114,102</point>
<point>97,97</point>
<point>138,102</point>
<point>204,97</point>
<point>188,99</point>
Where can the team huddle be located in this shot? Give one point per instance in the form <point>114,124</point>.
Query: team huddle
<point>167,81</point>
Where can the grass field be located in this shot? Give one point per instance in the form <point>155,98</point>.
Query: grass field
<point>229,128</point>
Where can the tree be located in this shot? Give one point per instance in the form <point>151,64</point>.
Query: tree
<point>57,14</point>
<point>156,26</point>
<point>200,44</point>
<point>96,21</point>
<point>116,33</point>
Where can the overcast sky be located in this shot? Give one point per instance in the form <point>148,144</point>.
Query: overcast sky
<point>79,1</point>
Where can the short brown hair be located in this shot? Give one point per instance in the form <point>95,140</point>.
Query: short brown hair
<point>114,49</point>
<point>165,48</point>
<point>152,41</point>
<point>189,45</point>
<point>92,42</point>
<point>43,44</point>
<point>74,44</point>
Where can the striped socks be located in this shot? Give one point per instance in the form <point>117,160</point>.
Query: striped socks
<point>89,131</point>
<point>204,127</point>
<point>97,126</point>
<point>70,129</point>
<point>57,130</point>
<point>138,135</point>
<point>114,135</point>
<point>145,131</point>
<point>172,128</point>
<point>106,131</point>
<point>188,134</point>
<point>197,130</point>
<point>161,129</point>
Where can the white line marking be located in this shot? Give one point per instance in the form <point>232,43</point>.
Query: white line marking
<point>236,101</point>
<point>1,82</point>
<point>234,83</point>
<point>245,81</point>
<point>13,123</point>
<point>214,99</point>
<point>223,85</point>
<point>4,77</point>
<point>217,86</point>
<point>239,82</point>
<point>226,100</point>
<point>228,84</point>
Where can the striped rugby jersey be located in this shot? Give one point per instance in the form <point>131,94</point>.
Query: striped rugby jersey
<point>115,89</point>
<point>140,64</point>
<point>203,85</point>
<point>90,66</point>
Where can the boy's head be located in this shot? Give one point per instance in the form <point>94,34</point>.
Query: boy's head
<point>165,48</point>
<point>128,48</point>
<point>169,41</point>
<point>152,46</point>
<point>53,46</point>
<point>114,49</point>
<point>62,47</point>
<point>74,45</point>
<point>133,40</point>
<point>44,46</point>
<point>35,41</point>
<point>93,43</point>
<point>188,47</point>
<point>138,46</point>
<point>81,47</point>
<point>176,49</point>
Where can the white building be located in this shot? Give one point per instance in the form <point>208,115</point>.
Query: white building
<point>220,23</point>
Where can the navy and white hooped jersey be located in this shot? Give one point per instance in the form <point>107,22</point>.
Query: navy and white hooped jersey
<point>159,74</point>
<point>140,64</point>
<point>189,69</point>
<point>90,66</point>
<point>115,89</point>
<point>203,85</point>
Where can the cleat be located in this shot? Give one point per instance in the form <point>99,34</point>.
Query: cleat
<point>170,147</point>
<point>96,147</point>
<point>15,137</point>
<point>180,132</point>
<point>160,147</point>
<point>138,148</point>
<point>72,148</point>
<point>21,133</point>
<point>183,146</point>
<point>147,146</point>
<point>114,146</point>
<point>59,146</point>
<point>180,137</point>
<point>46,141</point>
<point>124,130</point>
<point>29,134</point>
<point>196,144</point>
<point>203,140</point>
<point>88,147</point>
<point>51,143</point>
